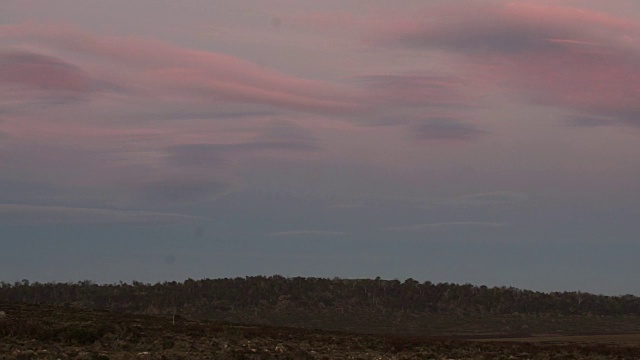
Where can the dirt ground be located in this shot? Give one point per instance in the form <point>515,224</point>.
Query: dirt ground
<point>46,332</point>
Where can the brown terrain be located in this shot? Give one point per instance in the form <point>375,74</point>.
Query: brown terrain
<point>29,331</point>
<point>276,317</point>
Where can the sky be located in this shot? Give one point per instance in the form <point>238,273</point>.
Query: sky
<point>484,142</point>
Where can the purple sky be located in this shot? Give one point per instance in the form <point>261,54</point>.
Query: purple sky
<point>490,142</point>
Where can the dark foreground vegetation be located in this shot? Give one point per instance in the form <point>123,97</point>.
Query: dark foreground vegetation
<point>361,305</point>
<point>257,292</point>
<point>296,318</point>
<point>50,332</point>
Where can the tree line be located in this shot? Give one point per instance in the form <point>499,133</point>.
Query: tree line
<point>200,298</point>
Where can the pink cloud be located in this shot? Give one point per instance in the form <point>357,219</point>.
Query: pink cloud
<point>29,79</point>
<point>139,96</point>
<point>582,60</point>
<point>491,28</point>
<point>160,70</point>
<point>40,71</point>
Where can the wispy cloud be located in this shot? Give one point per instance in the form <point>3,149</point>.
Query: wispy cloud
<point>429,105</point>
<point>33,215</point>
<point>348,206</point>
<point>488,199</point>
<point>444,225</point>
<point>29,79</point>
<point>43,72</point>
<point>580,59</point>
<point>148,130</point>
<point>446,129</point>
<point>162,193</point>
<point>504,27</point>
<point>276,138</point>
<point>307,233</point>
<point>159,71</point>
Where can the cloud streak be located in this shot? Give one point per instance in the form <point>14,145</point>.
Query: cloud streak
<point>447,225</point>
<point>277,138</point>
<point>29,79</point>
<point>446,129</point>
<point>307,233</point>
<point>157,70</point>
<point>42,72</point>
<point>33,215</point>
<point>488,199</point>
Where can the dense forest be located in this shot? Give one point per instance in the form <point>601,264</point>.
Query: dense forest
<point>205,298</point>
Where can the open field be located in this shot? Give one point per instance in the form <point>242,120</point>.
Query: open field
<point>50,332</point>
